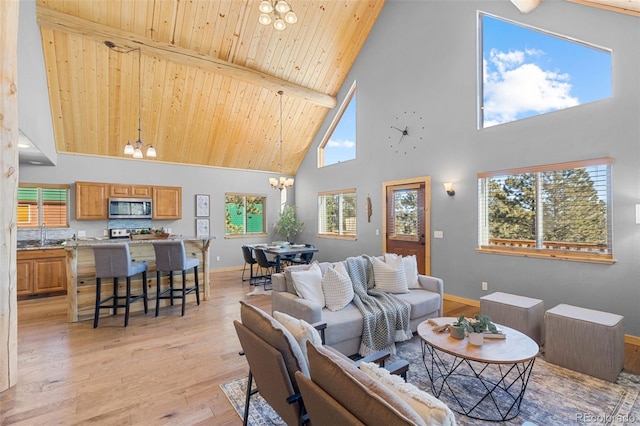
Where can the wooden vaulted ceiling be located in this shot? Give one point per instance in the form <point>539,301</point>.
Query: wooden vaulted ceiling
<point>210,76</point>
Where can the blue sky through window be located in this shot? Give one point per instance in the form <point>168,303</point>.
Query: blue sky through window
<point>527,72</point>
<point>342,144</point>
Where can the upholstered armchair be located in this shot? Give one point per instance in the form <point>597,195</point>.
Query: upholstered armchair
<point>274,355</point>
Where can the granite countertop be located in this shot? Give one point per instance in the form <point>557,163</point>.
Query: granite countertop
<point>88,242</point>
<point>24,245</point>
<point>35,245</point>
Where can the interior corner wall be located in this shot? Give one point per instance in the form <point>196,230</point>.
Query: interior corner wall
<point>422,56</point>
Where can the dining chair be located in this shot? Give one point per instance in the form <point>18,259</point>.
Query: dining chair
<point>248,260</point>
<point>304,258</point>
<point>267,267</point>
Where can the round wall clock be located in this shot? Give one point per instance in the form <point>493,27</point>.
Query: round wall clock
<point>406,132</point>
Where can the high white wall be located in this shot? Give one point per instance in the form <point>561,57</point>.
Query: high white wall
<point>422,56</point>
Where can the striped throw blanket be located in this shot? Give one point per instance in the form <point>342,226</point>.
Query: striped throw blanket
<point>386,317</point>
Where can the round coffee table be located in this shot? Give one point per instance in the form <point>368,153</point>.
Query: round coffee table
<point>484,382</point>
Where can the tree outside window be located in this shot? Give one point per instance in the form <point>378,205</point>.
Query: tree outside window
<point>244,214</point>
<point>337,213</point>
<point>549,208</point>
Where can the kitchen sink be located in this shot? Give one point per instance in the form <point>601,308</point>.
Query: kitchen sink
<point>24,244</point>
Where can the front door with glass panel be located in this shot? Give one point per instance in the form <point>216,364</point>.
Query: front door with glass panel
<point>406,223</point>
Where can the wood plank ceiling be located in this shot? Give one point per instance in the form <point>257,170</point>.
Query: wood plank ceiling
<point>210,76</point>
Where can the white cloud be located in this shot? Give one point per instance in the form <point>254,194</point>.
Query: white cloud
<point>515,87</point>
<point>340,144</point>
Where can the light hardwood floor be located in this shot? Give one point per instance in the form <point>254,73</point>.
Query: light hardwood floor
<point>157,371</point>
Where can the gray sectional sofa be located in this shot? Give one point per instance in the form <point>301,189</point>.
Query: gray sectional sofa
<point>344,327</point>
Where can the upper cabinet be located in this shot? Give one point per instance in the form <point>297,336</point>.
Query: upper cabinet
<point>92,200</point>
<point>137,191</point>
<point>167,202</point>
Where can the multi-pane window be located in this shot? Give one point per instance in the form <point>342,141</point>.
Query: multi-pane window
<point>405,221</point>
<point>561,210</point>
<point>245,214</point>
<point>43,204</point>
<point>339,143</point>
<point>337,213</point>
<point>525,71</point>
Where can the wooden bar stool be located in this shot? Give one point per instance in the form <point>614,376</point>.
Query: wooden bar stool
<point>171,256</point>
<point>114,261</point>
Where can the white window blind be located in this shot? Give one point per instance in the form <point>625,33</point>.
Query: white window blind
<point>560,207</point>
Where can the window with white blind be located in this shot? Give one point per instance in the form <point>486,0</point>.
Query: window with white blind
<point>43,204</point>
<point>337,214</point>
<point>560,211</point>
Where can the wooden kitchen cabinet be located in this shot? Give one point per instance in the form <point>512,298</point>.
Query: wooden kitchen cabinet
<point>123,190</point>
<point>167,202</point>
<point>92,200</point>
<point>41,271</point>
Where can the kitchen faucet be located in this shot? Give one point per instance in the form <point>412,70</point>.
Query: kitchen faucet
<point>43,234</point>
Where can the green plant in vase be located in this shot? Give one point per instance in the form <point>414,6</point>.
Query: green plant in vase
<point>288,226</point>
<point>476,327</point>
<point>458,328</point>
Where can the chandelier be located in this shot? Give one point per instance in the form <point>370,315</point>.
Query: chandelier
<point>281,182</point>
<point>135,149</point>
<point>281,11</point>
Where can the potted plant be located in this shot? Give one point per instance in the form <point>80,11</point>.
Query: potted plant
<point>476,327</point>
<point>288,226</point>
<point>458,328</point>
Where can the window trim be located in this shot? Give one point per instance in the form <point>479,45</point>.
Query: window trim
<point>264,232</point>
<point>351,237</point>
<point>332,127</point>
<point>542,253</point>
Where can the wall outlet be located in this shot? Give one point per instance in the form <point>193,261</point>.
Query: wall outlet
<point>105,232</point>
<point>377,232</point>
<point>82,233</point>
<point>485,286</point>
<point>438,234</point>
<point>217,258</point>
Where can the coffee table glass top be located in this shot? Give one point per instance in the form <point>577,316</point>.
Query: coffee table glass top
<point>516,347</point>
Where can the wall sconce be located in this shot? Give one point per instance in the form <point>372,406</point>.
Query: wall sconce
<point>448,186</point>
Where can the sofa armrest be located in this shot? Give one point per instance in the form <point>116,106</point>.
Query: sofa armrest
<point>278,282</point>
<point>435,285</point>
<point>295,306</point>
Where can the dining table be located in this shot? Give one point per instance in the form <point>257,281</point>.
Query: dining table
<point>285,251</point>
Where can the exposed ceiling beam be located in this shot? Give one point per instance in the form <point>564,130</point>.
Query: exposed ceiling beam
<point>55,20</point>
<point>614,6</point>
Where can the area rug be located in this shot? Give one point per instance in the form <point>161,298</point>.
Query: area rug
<point>554,396</point>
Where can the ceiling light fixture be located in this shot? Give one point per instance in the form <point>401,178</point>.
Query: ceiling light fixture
<point>526,6</point>
<point>135,149</point>
<point>281,11</point>
<point>281,182</point>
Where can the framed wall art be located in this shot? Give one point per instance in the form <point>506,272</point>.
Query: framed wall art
<point>202,228</point>
<point>202,205</point>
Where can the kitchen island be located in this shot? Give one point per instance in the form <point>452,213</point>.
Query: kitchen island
<point>81,279</point>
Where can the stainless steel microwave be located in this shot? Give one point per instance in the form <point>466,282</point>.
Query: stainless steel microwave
<point>130,208</point>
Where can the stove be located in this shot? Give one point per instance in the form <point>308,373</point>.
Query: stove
<point>118,233</point>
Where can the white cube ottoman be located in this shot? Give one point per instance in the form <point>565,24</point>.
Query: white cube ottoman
<point>522,313</point>
<point>585,340</point>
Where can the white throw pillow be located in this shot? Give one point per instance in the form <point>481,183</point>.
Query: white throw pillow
<point>308,284</point>
<point>429,408</point>
<point>389,277</point>
<point>337,288</point>
<point>300,329</point>
<point>410,268</point>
